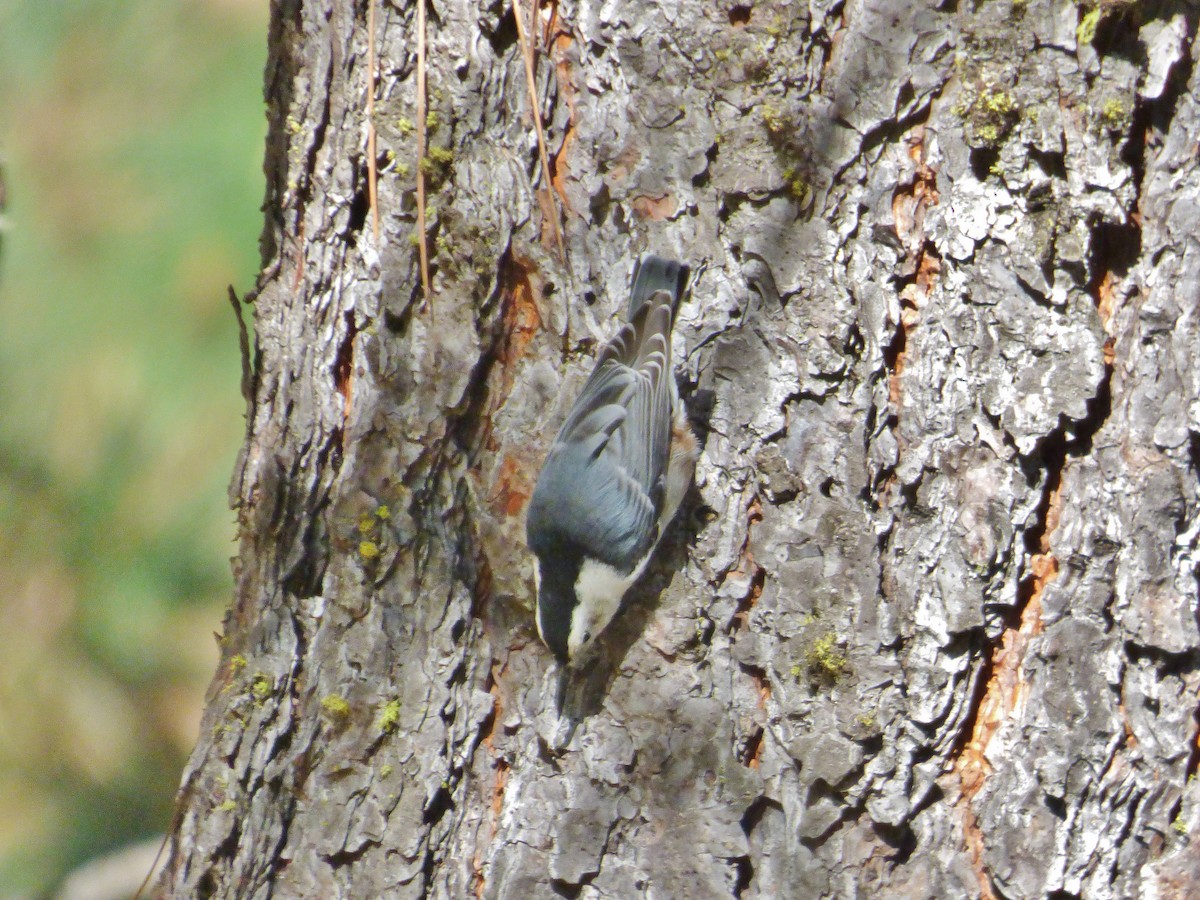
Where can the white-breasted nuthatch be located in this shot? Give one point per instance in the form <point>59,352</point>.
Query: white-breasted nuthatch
<point>617,471</point>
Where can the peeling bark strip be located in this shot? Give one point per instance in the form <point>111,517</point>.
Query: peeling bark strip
<point>928,626</point>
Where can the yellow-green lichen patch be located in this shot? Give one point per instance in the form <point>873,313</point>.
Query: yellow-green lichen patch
<point>825,659</point>
<point>389,717</point>
<point>1085,32</point>
<point>797,186</point>
<point>1115,115</point>
<point>787,126</point>
<point>988,113</point>
<point>436,163</point>
<point>335,706</point>
<point>773,118</point>
<point>261,686</point>
<point>1097,12</point>
<point>369,533</point>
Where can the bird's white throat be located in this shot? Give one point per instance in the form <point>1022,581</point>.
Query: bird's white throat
<point>599,589</point>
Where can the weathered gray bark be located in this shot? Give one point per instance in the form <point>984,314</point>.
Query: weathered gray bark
<point>928,627</point>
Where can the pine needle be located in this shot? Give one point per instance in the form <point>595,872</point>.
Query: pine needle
<point>530,79</point>
<point>422,238</point>
<point>372,175</point>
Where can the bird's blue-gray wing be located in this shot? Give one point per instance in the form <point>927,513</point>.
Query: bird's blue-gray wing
<point>607,468</point>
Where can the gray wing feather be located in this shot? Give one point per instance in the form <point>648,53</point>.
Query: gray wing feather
<point>609,461</point>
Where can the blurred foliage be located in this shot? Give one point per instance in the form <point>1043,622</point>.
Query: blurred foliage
<point>131,133</point>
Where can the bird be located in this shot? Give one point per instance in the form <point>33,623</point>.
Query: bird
<point>616,473</point>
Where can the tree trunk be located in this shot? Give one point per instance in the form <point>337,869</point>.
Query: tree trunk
<point>926,626</point>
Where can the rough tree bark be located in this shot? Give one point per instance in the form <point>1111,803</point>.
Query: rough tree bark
<point>928,624</point>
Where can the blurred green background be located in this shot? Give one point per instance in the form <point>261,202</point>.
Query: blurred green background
<point>131,133</point>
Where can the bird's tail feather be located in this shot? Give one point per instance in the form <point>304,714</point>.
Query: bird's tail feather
<point>654,274</point>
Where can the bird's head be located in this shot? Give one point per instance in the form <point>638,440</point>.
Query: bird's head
<point>576,599</point>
